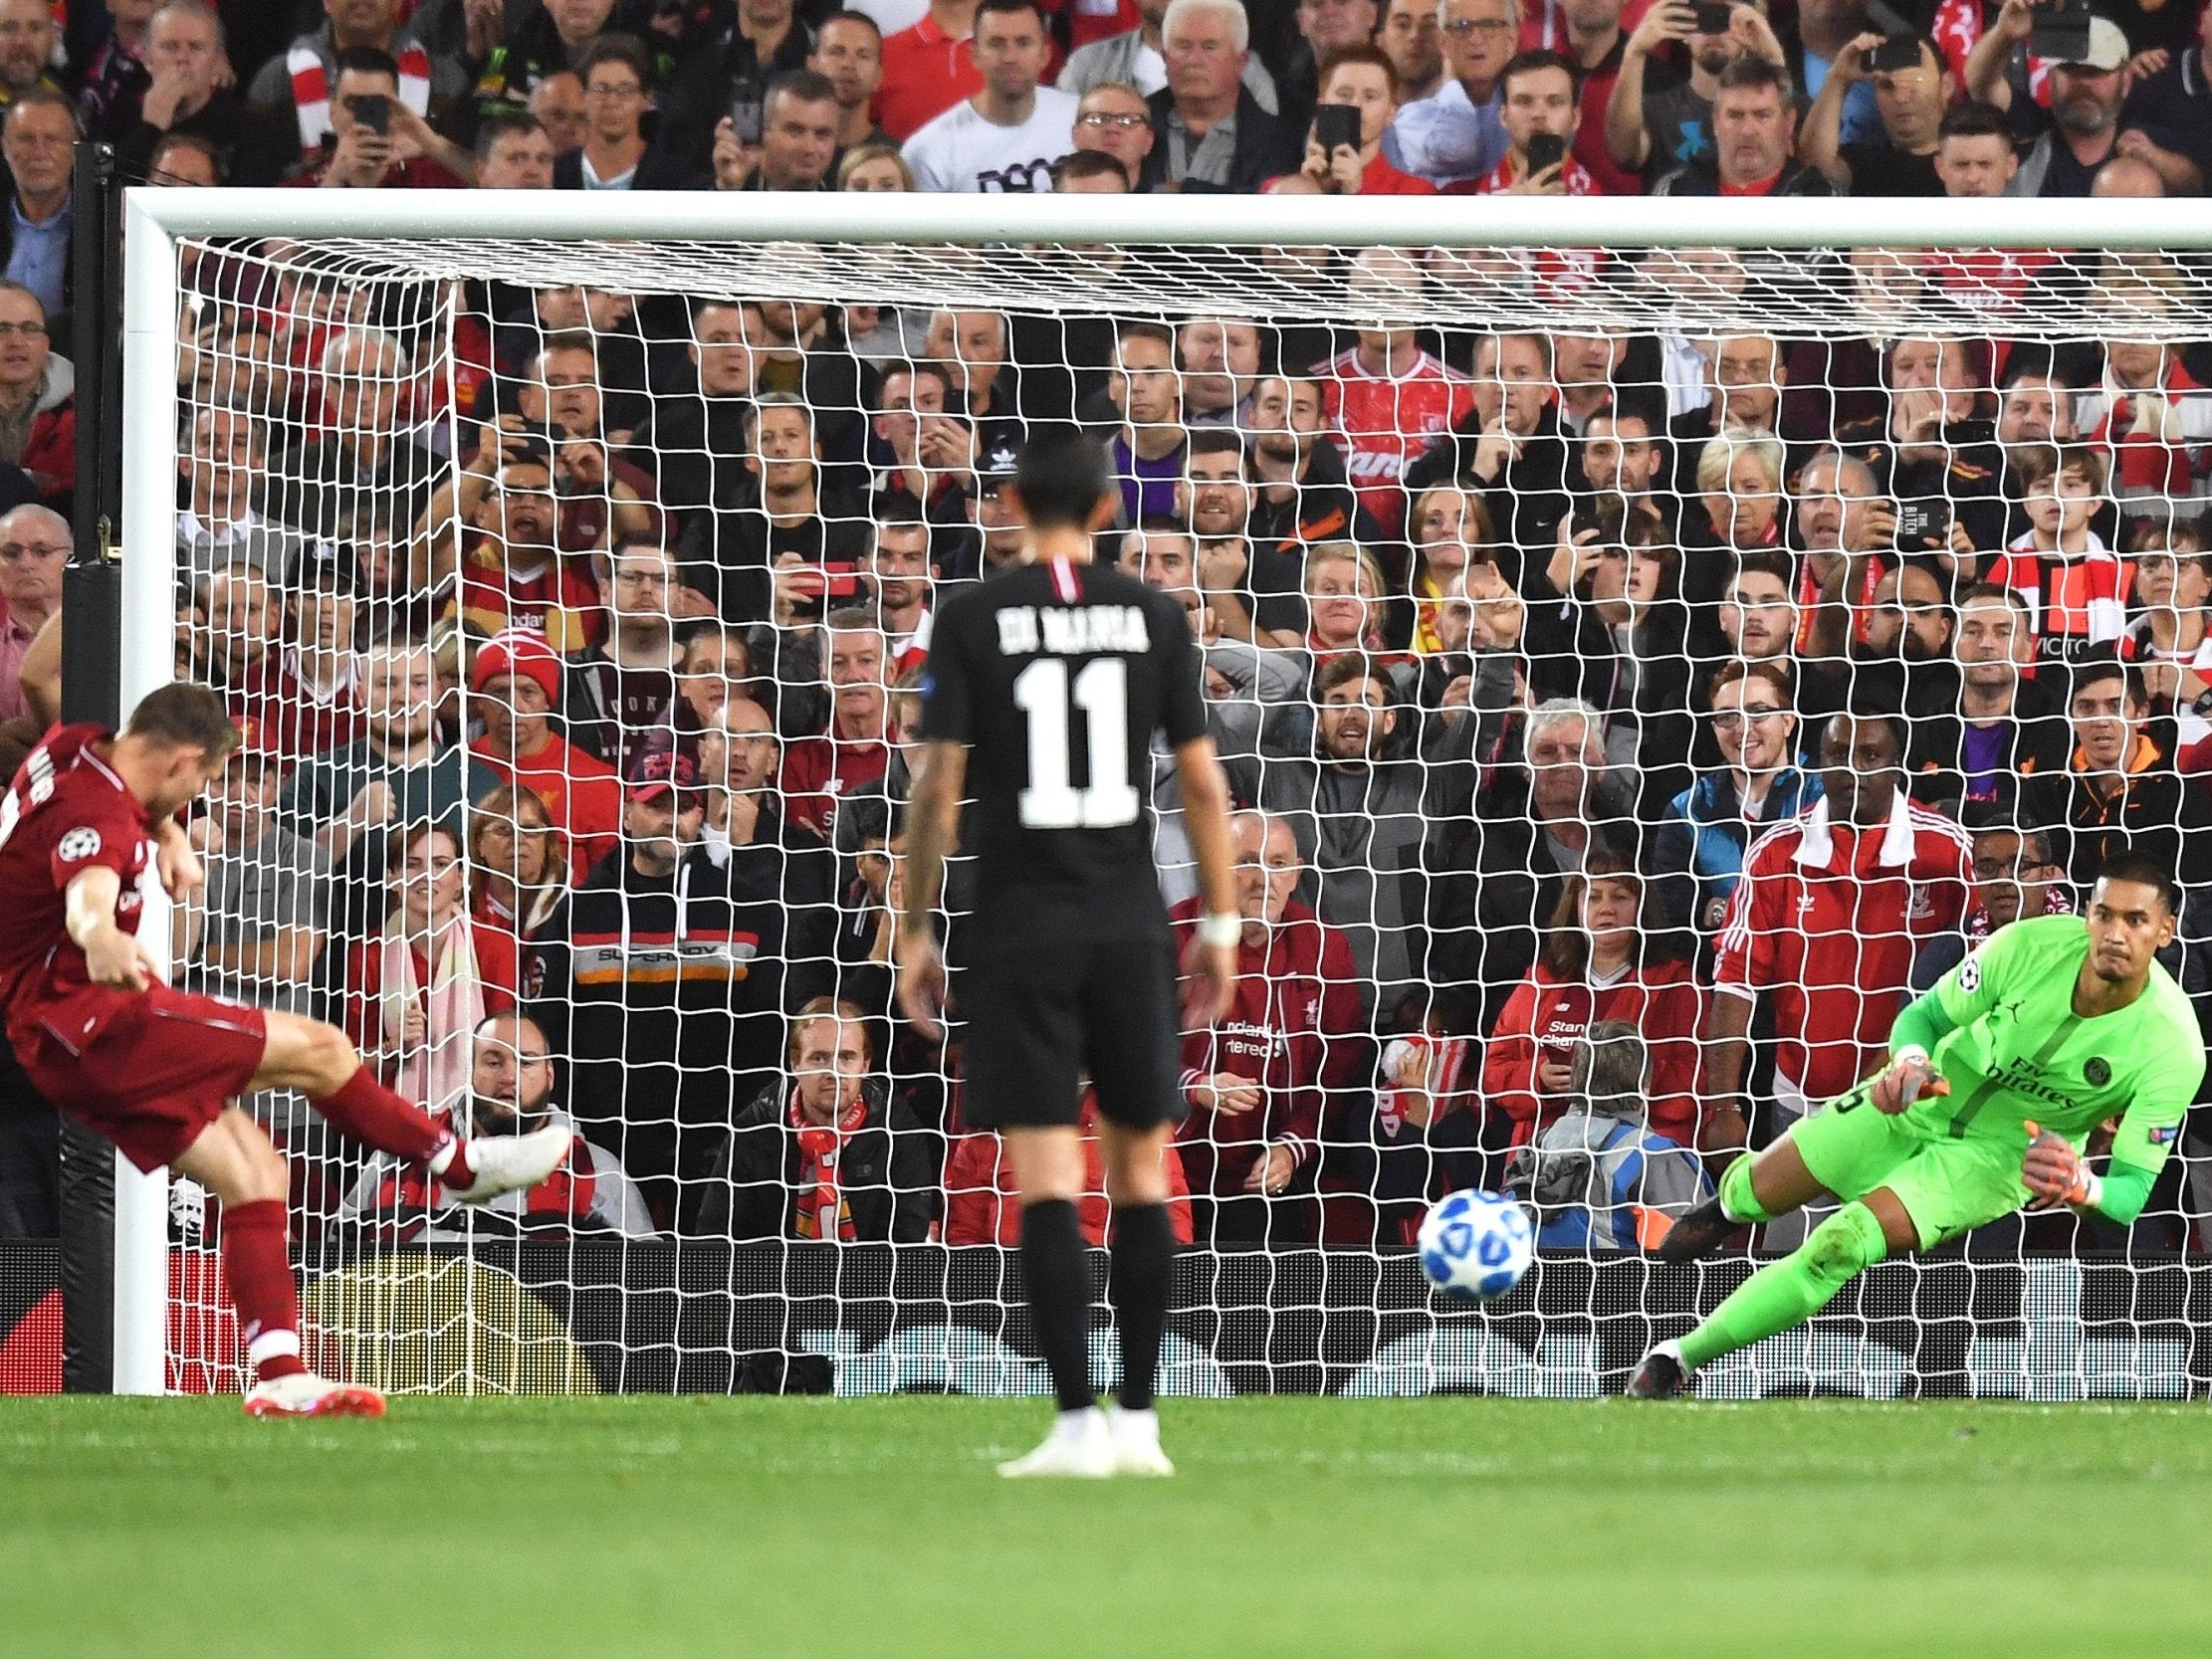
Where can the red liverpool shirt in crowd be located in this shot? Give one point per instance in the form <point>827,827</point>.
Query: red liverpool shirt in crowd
<point>583,795</point>
<point>1546,1015</point>
<point>1385,421</point>
<point>1293,1027</point>
<point>555,599</point>
<point>818,772</point>
<point>1826,922</point>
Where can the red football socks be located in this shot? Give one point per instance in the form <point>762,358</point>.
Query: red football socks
<point>260,1278</point>
<point>370,1112</point>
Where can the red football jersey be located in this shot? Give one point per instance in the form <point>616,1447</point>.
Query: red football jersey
<point>1827,920</point>
<point>558,601</point>
<point>66,813</point>
<point>818,772</point>
<point>1386,423</point>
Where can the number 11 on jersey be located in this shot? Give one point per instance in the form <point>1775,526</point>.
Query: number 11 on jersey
<point>1101,692</point>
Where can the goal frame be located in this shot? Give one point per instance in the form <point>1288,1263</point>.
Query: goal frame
<point>156,219</point>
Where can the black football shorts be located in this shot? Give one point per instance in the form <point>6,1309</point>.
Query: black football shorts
<point>1037,1016</point>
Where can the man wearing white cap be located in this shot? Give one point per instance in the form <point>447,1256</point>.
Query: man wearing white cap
<point>2085,98</point>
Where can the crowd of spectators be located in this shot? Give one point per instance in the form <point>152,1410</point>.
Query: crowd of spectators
<point>1648,707</point>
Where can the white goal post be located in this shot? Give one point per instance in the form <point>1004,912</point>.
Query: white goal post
<point>1234,256</point>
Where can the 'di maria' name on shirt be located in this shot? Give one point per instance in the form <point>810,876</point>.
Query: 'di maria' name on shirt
<point>1025,629</point>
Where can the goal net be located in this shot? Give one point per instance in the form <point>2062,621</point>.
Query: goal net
<point>1647,647</point>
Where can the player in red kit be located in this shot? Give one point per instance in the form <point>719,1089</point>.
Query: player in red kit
<point>154,1068</point>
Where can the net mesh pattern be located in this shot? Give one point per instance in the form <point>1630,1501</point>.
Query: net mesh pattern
<point>1529,582</point>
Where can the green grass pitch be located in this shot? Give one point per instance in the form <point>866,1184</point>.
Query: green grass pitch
<point>604,1528</point>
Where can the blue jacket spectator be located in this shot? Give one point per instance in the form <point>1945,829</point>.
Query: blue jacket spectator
<point>1598,1179</point>
<point>1697,848</point>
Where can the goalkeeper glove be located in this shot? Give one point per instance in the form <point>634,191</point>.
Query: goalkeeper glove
<point>1910,1076</point>
<point>2054,1171</point>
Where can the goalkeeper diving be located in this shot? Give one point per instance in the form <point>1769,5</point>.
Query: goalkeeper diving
<point>1995,1079</point>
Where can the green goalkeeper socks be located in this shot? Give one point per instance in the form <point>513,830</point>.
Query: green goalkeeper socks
<point>1788,1292</point>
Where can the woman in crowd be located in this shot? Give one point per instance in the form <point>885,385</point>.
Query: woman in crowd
<point>1739,487</point>
<point>1344,601</point>
<point>517,863</point>
<point>417,989</point>
<point>1448,525</point>
<point>1610,956</point>
<point>874,169</point>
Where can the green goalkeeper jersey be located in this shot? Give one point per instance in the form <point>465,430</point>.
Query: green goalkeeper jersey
<point>2014,1050</point>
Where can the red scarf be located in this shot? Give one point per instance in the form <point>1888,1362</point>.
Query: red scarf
<point>563,1200</point>
<point>310,89</point>
<point>822,1213</point>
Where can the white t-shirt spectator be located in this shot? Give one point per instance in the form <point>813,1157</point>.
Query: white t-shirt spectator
<point>960,151</point>
<point>893,15</point>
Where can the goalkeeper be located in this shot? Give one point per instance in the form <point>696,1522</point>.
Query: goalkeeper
<point>2053,1026</point>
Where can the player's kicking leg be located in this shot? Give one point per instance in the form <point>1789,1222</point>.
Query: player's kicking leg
<point>1139,1279</point>
<point>1756,1187</point>
<point>1848,1148</point>
<point>1048,1172</point>
<point>233,1160</point>
<point>318,1061</point>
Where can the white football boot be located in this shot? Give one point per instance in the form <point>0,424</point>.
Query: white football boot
<point>1136,1441</point>
<point>1081,1445</point>
<point>512,1162</point>
<point>303,1394</point>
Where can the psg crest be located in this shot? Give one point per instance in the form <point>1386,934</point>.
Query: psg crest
<point>2097,1072</point>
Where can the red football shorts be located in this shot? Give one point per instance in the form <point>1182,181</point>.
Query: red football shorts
<point>148,1069</point>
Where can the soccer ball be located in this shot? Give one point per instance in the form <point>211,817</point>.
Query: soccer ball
<point>1475,1244</point>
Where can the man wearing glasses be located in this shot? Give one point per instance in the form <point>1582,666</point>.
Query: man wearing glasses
<point>1460,133</point>
<point>1114,120</point>
<point>38,407</point>
<point>615,156</point>
<point>34,546</point>
<point>2013,876</point>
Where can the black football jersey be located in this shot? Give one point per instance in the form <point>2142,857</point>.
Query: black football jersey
<point>1056,675</point>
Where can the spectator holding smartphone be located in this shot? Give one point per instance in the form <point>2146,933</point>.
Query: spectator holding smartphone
<point>1912,90</point>
<point>1658,120</point>
<point>1754,131</point>
<point>1541,112</point>
<point>1344,147</point>
<point>380,142</point>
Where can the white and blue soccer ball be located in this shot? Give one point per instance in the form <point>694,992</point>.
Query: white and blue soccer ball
<point>1475,1244</point>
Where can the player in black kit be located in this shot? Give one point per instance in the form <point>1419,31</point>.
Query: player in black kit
<point>1043,691</point>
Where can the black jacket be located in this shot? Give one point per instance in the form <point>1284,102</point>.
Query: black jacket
<point>1321,507</point>
<point>693,444</point>
<point>1267,146</point>
<point>2037,741</point>
<point>1528,497</point>
<point>2151,809</point>
<point>666,991</point>
<point>887,1173</point>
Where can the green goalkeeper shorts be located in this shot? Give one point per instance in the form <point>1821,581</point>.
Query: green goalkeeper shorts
<point>1948,1186</point>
